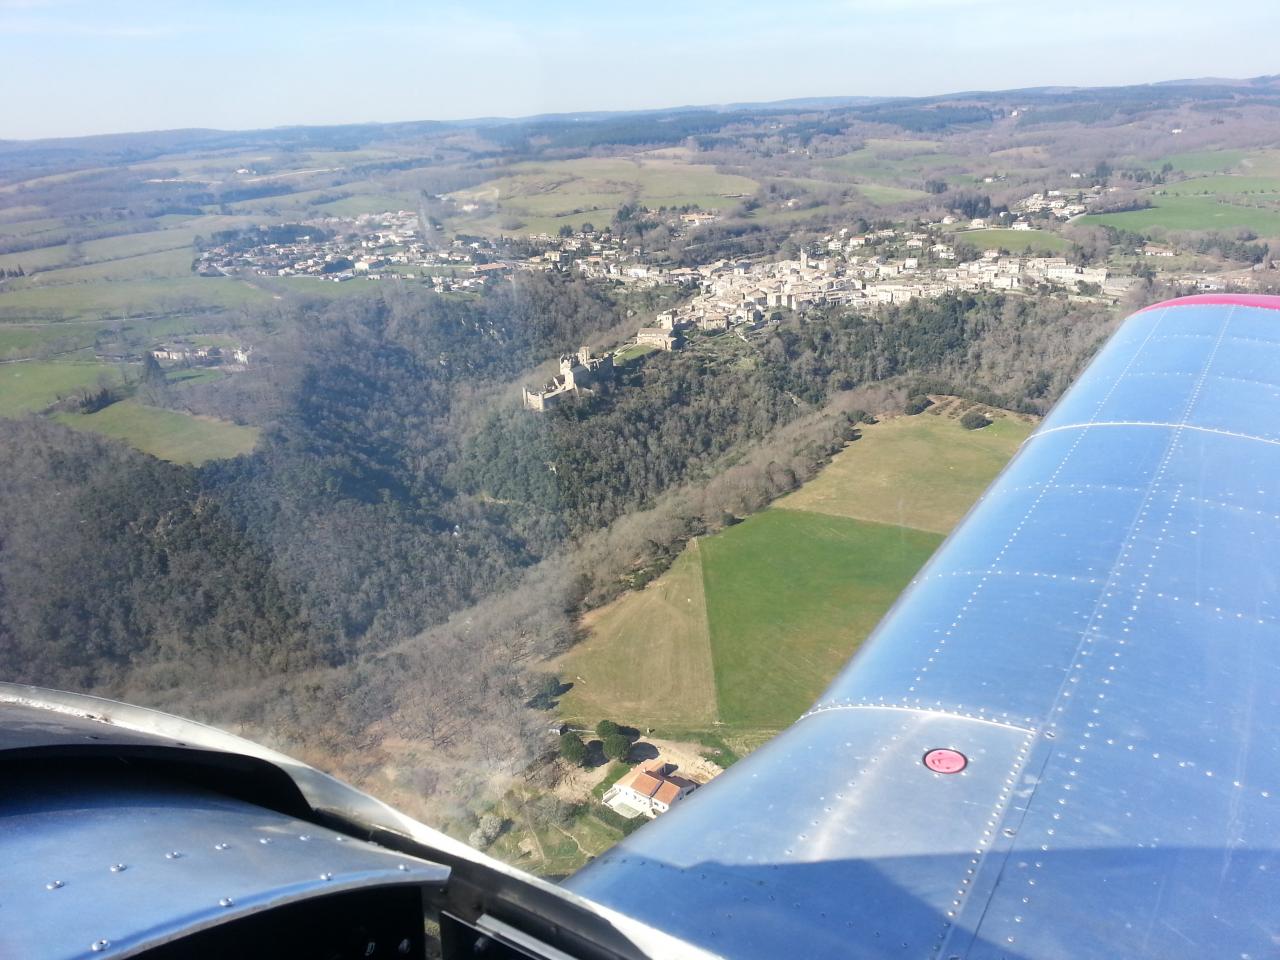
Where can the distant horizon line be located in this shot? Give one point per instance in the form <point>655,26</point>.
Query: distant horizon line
<point>782,103</point>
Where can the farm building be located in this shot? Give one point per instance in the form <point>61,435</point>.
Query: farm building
<point>650,789</point>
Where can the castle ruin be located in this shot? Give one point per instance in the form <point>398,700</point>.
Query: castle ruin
<point>579,372</point>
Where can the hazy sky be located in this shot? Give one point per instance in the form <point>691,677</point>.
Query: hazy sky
<point>70,67</point>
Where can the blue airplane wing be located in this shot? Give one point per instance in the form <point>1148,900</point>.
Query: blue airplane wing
<point>1063,739</point>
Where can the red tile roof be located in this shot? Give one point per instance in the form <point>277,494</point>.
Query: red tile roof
<point>652,780</point>
<point>646,784</point>
<point>667,793</point>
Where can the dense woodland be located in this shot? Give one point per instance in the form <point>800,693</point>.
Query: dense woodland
<point>406,544</point>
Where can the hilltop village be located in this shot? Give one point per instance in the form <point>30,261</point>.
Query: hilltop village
<point>743,295</point>
<point>888,265</point>
<point>848,268</point>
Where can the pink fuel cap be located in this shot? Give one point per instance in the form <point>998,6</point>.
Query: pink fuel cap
<point>945,760</point>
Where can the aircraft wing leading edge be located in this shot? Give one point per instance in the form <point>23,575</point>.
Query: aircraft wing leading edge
<point>1061,740</point>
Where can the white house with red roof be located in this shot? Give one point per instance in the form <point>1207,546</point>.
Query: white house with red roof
<point>650,789</point>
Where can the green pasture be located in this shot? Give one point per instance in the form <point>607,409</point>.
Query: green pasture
<point>749,625</point>
<point>167,434</point>
<point>790,595</point>
<point>1193,213</point>
<point>98,299</point>
<point>1225,185</point>
<point>32,385</point>
<point>923,471</point>
<point>1015,241</point>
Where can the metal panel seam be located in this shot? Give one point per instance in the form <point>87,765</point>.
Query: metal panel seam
<point>955,715</point>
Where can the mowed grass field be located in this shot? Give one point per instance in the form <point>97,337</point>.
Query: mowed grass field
<point>18,338</point>
<point>790,595</point>
<point>656,639</point>
<point>167,434</point>
<point>173,236</point>
<point>882,157</point>
<point>1014,241</point>
<point>1224,211</point>
<point>922,472</point>
<point>1206,161</point>
<point>31,386</point>
<point>1227,190</point>
<point>1192,213</point>
<point>1224,185</point>
<point>747,628</point>
<point>96,299</point>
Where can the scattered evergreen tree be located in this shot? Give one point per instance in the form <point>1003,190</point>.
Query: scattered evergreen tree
<point>606,729</point>
<point>572,748</point>
<point>917,404</point>
<point>617,746</point>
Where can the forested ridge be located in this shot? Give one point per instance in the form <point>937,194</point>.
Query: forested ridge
<point>406,544</point>
<point>113,560</point>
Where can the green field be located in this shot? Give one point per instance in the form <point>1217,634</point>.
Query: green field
<point>883,194</point>
<point>167,434</point>
<point>1015,241</point>
<point>634,352</point>
<point>97,299</point>
<point>31,386</point>
<point>26,228</point>
<point>793,215</point>
<point>21,339</point>
<point>749,625</point>
<point>660,631</point>
<point>790,595</point>
<point>158,264</point>
<point>1206,161</point>
<point>922,472</point>
<point>1193,213</point>
<point>107,249</point>
<point>1222,186</point>
<point>545,196</point>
